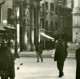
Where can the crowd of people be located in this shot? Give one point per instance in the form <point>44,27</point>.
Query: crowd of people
<point>7,68</point>
<point>60,56</point>
<point>7,58</point>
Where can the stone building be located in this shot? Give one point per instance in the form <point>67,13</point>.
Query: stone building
<point>52,16</point>
<point>29,23</point>
<point>32,23</point>
<point>5,7</point>
<point>56,19</point>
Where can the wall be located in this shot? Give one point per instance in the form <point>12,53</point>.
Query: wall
<point>4,7</point>
<point>76,19</point>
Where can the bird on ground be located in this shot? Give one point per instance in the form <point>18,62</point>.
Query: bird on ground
<point>17,68</point>
<point>21,64</point>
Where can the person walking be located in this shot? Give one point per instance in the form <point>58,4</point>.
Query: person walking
<point>39,51</point>
<point>78,62</point>
<point>60,56</point>
<point>6,62</point>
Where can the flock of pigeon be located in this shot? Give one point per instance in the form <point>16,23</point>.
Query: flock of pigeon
<point>19,67</point>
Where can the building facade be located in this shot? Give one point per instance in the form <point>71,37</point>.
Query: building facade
<point>5,7</point>
<point>47,21</point>
<point>56,19</point>
<point>29,23</point>
<point>32,23</point>
<point>52,16</point>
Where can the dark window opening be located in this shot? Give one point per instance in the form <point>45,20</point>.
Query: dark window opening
<point>46,5</point>
<point>0,13</point>
<point>51,25</point>
<point>51,6</point>
<point>10,16</point>
<point>56,10</point>
<point>46,25</point>
<point>35,15</point>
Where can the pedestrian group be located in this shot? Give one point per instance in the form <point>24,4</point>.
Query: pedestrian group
<point>7,67</point>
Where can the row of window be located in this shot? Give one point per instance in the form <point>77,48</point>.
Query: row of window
<point>46,5</point>
<point>58,9</point>
<point>62,11</point>
<point>45,25</point>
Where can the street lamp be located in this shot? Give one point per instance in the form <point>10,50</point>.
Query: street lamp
<point>16,24</point>
<point>59,30</point>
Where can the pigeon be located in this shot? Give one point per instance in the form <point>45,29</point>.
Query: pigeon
<point>17,68</point>
<point>21,64</point>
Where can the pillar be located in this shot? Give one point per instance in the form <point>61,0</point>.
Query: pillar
<point>76,21</point>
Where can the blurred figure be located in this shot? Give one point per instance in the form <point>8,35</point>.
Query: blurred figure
<point>78,62</point>
<point>39,51</point>
<point>11,47</point>
<point>66,48</point>
<point>60,56</point>
<point>6,62</point>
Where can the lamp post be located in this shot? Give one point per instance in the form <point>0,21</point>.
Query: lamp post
<point>16,52</point>
<point>59,28</point>
<point>36,24</point>
<point>16,24</point>
<point>31,7</point>
<point>42,20</point>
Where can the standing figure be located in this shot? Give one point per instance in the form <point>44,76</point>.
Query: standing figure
<point>60,55</point>
<point>6,62</point>
<point>78,62</point>
<point>39,51</point>
<point>66,48</point>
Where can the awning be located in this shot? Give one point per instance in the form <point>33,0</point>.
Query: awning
<point>9,27</point>
<point>44,36</point>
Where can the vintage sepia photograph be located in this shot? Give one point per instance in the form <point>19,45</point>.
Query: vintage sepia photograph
<point>39,39</point>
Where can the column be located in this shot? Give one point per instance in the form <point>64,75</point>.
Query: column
<point>76,21</point>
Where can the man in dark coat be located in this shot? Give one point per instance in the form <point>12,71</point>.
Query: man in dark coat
<point>60,55</point>
<point>39,51</point>
<point>78,62</point>
<point>6,63</point>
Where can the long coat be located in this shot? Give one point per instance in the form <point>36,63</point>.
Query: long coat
<point>60,53</point>
<point>78,63</point>
<point>7,62</point>
<point>39,48</point>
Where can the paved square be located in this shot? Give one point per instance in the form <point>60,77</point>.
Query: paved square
<point>46,70</point>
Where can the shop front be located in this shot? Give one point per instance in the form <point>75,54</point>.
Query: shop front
<point>47,41</point>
